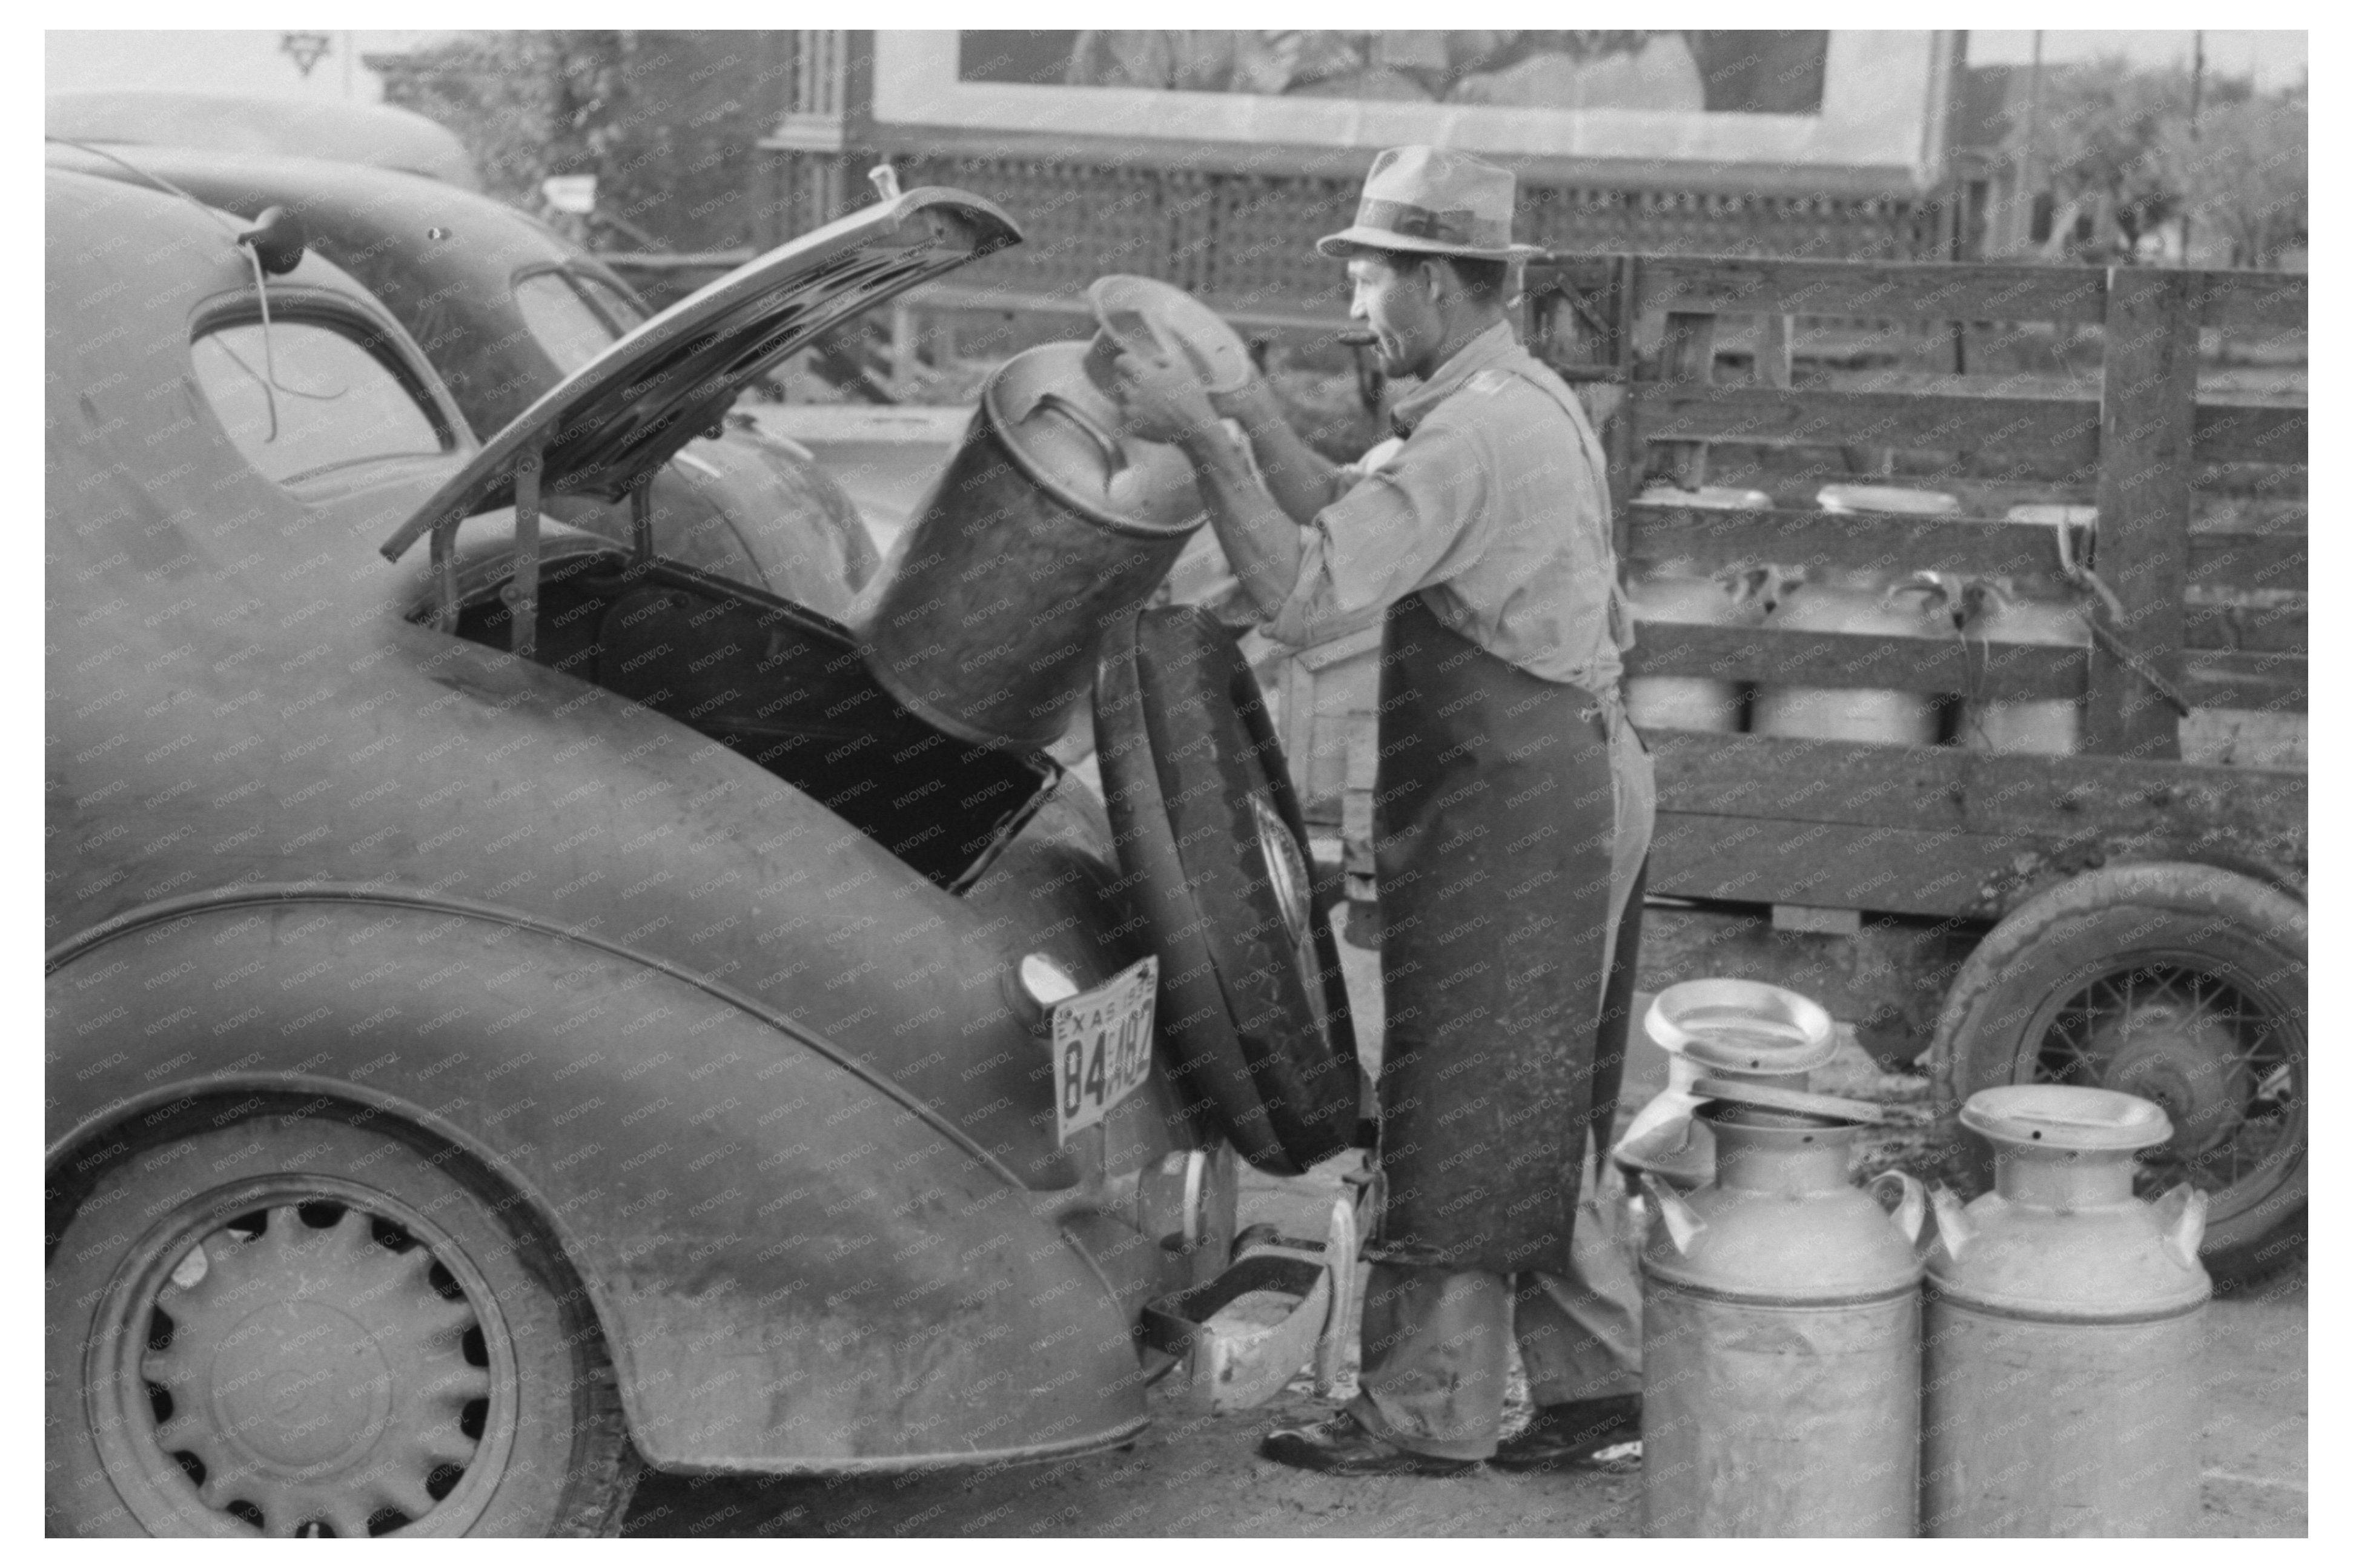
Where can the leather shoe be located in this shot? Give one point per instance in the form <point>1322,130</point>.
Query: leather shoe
<point>1344,1446</point>
<point>1561,1436</point>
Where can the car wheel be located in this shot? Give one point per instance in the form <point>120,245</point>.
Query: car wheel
<point>2184,984</point>
<point>296,1325</point>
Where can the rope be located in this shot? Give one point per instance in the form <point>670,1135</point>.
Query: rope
<point>2105,635</point>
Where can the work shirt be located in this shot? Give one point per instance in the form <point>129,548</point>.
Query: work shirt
<point>1494,509</point>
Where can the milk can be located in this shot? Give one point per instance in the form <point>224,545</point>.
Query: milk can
<point>1677,593</point>
<point>1994,617</point>
<point>2060,1365</point>
<point>1740,1031</point>
<point>1856,601</point>
<point>1781,1337</point>
<point>1045,527</point>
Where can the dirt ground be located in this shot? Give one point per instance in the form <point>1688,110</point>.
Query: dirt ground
<point>1199,1476</point>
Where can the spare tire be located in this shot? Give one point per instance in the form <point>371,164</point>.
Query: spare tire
<point>1253,1011</point>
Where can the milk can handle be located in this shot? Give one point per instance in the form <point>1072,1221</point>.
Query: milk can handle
<point>1953,1227</point>
<point>2182,1213</point>
<point>1912,1206</point>
<point>1114,457</point>
<point>1683,1222</point>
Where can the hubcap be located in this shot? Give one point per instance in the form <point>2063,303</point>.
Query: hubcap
<point>314,1364</point>
<point>2187,1062</point>
<point>2220,1057</point>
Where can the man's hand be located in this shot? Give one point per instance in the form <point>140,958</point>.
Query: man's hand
<point>1253,402</point>
<point>1160,401</point>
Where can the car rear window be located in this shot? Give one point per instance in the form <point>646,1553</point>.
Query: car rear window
<point>619,308</point>
<point>330,402</point>
<point>561,320</point>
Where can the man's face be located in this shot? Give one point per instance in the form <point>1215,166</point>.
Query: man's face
<point>1396,305</point>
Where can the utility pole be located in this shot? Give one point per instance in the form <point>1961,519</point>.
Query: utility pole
<point>2026,175</point>
<point>2197,90</point>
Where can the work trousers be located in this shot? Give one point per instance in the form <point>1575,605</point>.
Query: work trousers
<point>1434,1361</point>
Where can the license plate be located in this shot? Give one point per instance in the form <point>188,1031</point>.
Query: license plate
<point>1102,1047</point>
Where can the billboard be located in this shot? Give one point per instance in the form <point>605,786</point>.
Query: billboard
<point>1789,109</point>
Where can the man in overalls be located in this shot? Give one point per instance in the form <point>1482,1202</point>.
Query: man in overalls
<point>1512,810</point>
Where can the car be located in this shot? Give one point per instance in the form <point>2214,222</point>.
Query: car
<point>382,134</point>
<point>505,308</point>
<point>531,1007</point>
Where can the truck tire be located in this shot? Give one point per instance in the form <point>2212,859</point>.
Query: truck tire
<point>281,1323</point>
<point>2184,984</point>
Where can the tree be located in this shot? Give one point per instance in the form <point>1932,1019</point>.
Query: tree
<point>2244,175</point>
<point>496,91</point>
<point>667,121</point>
<point>2098,126</point>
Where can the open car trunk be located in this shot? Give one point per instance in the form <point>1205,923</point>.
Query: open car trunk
<point>785,687</point>
<point>777,682</point>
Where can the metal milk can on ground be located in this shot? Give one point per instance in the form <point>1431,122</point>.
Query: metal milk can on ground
<point>1739,1031</point>
<point>2061,1353</point>
<point>1780,1337</point>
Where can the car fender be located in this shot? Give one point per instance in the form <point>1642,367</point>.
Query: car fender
<point>798,1265</point>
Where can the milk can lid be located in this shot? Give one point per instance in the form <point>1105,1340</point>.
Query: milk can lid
<point>1741,1026</point>
<point>1885,498</point>
<point>1065,433</point>
<point>1707,498</point>
<point>1159,317</point>
<point>2063,1117</point>
<point>1771,1097</point>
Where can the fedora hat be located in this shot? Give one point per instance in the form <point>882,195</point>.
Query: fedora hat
<point>1435,202</point>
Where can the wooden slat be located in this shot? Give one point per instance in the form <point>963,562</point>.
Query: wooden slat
<point>1894,869</point>
<point>1620,440</point>
<point>2147,398</point>
<point>2268,680</point>
<point>1838,659</point>
<point>1929,291</point>
<point>1945,788</point>
<point>1964,291</point>
<point>1886,543</point>
<point>2264,561</point>
<point>2250,433</point>
<point>2247,629</point>
<point>2064,430</point>
<point>1937,830</point>
<point>2271,302</point>
<point>2027,426</point>
<point>1686,358</point>
<point>2269,560</point>
<point>1775,338</point>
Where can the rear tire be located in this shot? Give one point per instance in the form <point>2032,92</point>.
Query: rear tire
<point>2183,984</point>
<point>291,1324</point>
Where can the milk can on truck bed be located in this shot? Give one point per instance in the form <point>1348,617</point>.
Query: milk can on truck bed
<point>1781,1332</point>
<point>1678,592</point>
<point>1858,602</point>
<point>1995,619</point>
<point>2061,1350</point>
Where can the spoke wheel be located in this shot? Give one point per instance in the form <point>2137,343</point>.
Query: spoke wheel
<point>2183,984</point>
<point>294,1326</point>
